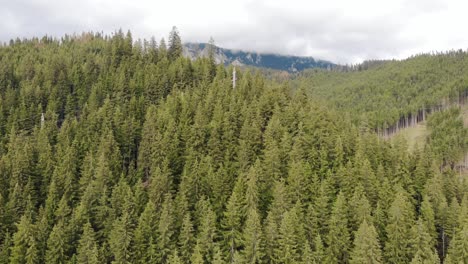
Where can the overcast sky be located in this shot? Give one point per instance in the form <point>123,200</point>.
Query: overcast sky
<point>343,31</point>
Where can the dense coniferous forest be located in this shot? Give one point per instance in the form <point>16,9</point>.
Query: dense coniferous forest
<point>380,93</point>
<point>121,151</point>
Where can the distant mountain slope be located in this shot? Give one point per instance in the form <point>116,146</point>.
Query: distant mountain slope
<point>244,58</point>
<point>394,91</point>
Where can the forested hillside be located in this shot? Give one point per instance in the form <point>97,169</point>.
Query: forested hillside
<point>383,93</point>
<point>121,151</point>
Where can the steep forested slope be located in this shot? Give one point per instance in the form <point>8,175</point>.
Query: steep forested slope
<point>143,156</point>
<point>380,95</point>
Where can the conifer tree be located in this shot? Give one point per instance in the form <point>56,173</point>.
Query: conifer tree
<point>56,245</point>
<point>5,249</point>
<point>360,208</point>
<point>422,244</point>
<point>206,230</point>
<point>428,218</point>
<point>87,251</point>
<point>233,218</point>
<point>32,253</point>
<point>175,44</point>
<point>398,244</point>
<point>319,211</point>
<point>291,236</point>
<point>174,259</point>
<point>319,250</point>
<point>165,229</point>
<point>197,256</point>
<point>338,237</point>
<point>120,239</point>
<point>21,240</point>
<point>252,238</point>
<point>366,245</point>
<point>458,249</point>
<point>218,258</point>
<point>186,238</point>
<point>271,233</point>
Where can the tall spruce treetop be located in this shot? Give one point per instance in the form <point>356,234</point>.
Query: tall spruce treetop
<point>175,44</point>
<point>400,221</point>
<point>366,246</point>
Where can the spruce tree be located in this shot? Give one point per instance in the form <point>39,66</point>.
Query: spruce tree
<point>252,238</point>
<point>165,229</point>
<point>174,259</point>
<point>428,218</point>
<point>120,239</point>
<point>401,218</point>
<point>175,44</point>
<point>270,232</point>
<point>233,218</point>
<point>338,238</point>
<point>458,249</point>
<point>186,238</point>
<point>32,253</point>
<point>197,256</point>
<point>366,245</point>
<point>20,241</point>
<point>6,249</point>
<point>291,236</point>
<point>56,245</point>
<point>206,230</point>
<point>87,251</point>
<point>319,250</point>
<point>359,208</point>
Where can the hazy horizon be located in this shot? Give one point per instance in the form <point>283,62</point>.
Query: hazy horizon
<point>339,31</point>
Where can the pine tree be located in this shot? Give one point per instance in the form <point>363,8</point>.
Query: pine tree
<point>160,184</point>
<point>56,245</point>
<point>87,251</point>
<point>165,229</point>
<point>175,44</point>
<point>21,240</point>
<point>270,232</point>
<point>450,220</point>
<point>252,238</point>
<point>120,238</point>
<point>218,258</point>
<point>427,215</point>
<point>174,259</point>
<point>207,229</point>
<point>291,236</point>
<point>338,237</point>
<point>422,245</point>
<point>360,209</point>
<point>299,182</point>
<point>398,245</point>
<point>233,217</point>
<point>251,192</point>
<point>5,249</point>
<point>186,238</point>
<point>366,245</point>
<point>32,253</point>
<point>197,256</point>
<point>458,249</point>
<point>319,251</point>
<point>319,212</point>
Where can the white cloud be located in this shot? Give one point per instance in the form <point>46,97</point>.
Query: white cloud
<point>339,30</point>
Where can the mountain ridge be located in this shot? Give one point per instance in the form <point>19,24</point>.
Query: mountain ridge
<point>256,59</point>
